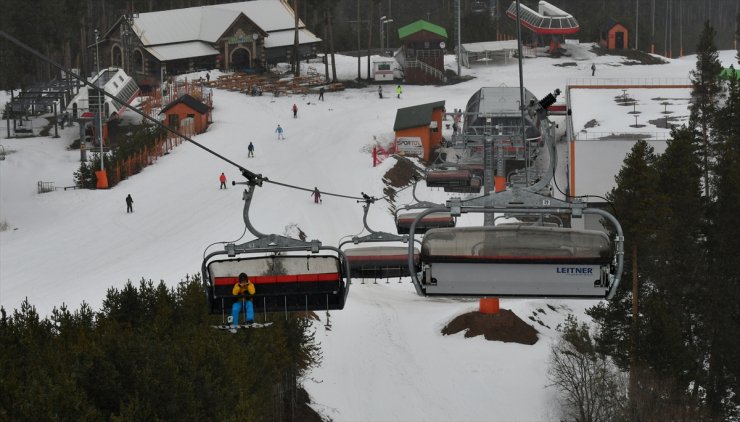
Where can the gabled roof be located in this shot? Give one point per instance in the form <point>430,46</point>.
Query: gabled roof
<point>208,23</point>
<point>421,25</point>
<point>183,50</point>
<point>415,116</point>
<point>188,101</point>
<point>609,24</point>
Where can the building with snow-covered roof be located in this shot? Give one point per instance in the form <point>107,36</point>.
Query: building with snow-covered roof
<point>247,35</point>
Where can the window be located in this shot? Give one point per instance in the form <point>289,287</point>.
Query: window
<point>138,61</point>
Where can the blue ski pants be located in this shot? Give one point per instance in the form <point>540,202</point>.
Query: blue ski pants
<point>237,307</point>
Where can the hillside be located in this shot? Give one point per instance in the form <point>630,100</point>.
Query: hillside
<point>385,357</point>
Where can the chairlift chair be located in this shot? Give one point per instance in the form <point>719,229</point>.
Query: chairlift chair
<point>378,261</point>
<point>519,260</point>
<point>289,274</point>
<point>430,221</point>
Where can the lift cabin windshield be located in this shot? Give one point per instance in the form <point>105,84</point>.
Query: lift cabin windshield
<point>519,260</point>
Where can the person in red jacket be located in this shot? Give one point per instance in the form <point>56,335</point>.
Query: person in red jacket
<point>223,181</point>
<point>295,111</point>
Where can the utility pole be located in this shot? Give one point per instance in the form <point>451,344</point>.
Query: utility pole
<point>637,24</point>
<point>522,106</point>
<point>652,36</point>
<point>359,76</point>
<point>457,23</point>
<point>100,100</point>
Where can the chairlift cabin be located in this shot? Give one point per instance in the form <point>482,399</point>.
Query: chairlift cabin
<point>430,221</point>
<point>474,186</point>
<point>288,274</point>
<point>283,282</point>
<point>378,261</point>
<point>404,219</point>
<point>444,178</point>
<point>520,260</point>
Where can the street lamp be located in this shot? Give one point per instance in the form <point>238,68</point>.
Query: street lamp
<point>100,102</point>
<point>383,21</point>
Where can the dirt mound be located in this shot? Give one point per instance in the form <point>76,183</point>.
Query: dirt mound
<point>402,173</point>
<point>399,176</point>
<point>505,326</point>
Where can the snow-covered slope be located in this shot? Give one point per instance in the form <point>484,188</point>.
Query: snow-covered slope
<point>384,357</point>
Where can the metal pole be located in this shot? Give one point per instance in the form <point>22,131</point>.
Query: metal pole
<point>521,84</point>
<point>637,24</point>
<point>359,76</point>
<point>457,12</point>
<point>381,32</point>
<point>100,102</point>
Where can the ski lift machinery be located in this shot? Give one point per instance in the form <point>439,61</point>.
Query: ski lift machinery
<point>289,274</point>
<point>520,260</point>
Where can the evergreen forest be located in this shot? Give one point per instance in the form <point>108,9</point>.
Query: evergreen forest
<point>671,331</point>
<point>150,354</point>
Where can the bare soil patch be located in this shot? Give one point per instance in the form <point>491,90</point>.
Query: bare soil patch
<point>505,326</point>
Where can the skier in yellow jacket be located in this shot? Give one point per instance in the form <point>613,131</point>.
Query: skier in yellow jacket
<point>243,290</point>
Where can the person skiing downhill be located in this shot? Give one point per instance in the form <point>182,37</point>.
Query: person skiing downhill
<point>593,69</point>
<point>295,111</point>
<point>243,290</point>
<point>380,91</point>
<point>279,131</point>
<point>250,148</point>
<point>222,179</point>
<point>399,91</point>
<point>316,195</point>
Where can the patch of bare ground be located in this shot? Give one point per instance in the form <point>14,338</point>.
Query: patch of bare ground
<point>400,175</point>
<point>504,326</point>
<point>634,57</point>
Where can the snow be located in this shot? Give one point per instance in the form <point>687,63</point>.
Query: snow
<point>384,357</point>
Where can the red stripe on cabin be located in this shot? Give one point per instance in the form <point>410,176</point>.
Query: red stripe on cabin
<point>509,258</point>
<point>409,220</point>
<point>271,279</point>
<point>402,258</point>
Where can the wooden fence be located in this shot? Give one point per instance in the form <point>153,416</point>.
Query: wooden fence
<point>135,163</point>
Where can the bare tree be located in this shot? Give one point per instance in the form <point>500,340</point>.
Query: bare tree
<point>590,388</point>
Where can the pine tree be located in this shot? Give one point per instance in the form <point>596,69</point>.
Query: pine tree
<point>706,93</point>
<point>672,310</point>
<point>640,209</point>
<point>722,315</point>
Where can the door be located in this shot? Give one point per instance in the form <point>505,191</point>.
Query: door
<point>619,40</point>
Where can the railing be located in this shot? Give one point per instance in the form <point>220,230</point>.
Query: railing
<point>418,64</point>
<point>43,187</point>
<point>622,136</point>
<point>630,82</point>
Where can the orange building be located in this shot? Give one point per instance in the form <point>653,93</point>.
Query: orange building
<point>613,35</point>
<point>419,129</point>
<point>187,107</point>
